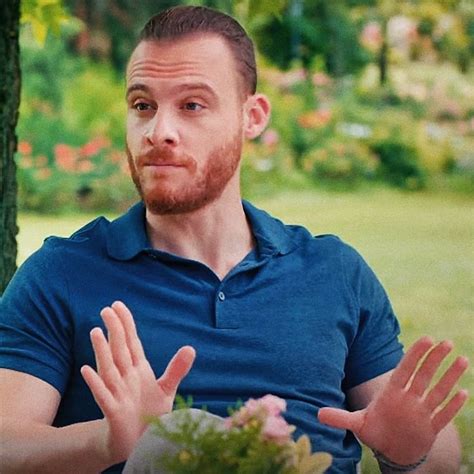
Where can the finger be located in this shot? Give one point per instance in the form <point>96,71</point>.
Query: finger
<point>342,419</point>
<point>441,390</point>
<point>117,340</point>
<point>133,341</point>
<point>428,368</point>
<point>105,364</point>
<point>177,369</point>
<point>101,394</point>
<point>402,374</point>
<point>444,416</point>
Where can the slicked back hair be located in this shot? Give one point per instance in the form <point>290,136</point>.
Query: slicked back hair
<point>181,21</point>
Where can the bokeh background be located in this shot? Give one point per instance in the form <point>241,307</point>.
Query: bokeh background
<point>371,138</point>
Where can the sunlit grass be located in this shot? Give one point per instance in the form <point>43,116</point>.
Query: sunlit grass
<point>420,245</point>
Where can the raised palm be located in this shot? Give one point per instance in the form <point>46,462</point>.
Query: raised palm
<point>404,419</point>
<point>124,385</point>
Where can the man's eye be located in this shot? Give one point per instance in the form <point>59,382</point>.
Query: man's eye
<point>193,106</point>
<point>141,106</point>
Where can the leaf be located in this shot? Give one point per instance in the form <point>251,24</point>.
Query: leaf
<point>43,16</point>
<point>40,30</point>
<point>318,463</point>
<point>268,7</point>
<point>303,447</point>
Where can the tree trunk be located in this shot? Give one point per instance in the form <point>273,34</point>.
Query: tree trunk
<point>9,103</point>
<point>383,55</point>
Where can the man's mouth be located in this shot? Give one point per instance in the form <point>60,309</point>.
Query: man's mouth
<point>163,165</point>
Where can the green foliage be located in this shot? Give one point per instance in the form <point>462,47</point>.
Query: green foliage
<point>341,162</point>
<point>97,98</point>
<point>250,9</point>
<point>46,70</point>
<point>208,450</point>
<point>323,29</point>
<point>399,164</point>
<point>42,16</point>
<point>71,109</point>
<point>325,130</point>
<point>238,446</point>
<point>93,176</point>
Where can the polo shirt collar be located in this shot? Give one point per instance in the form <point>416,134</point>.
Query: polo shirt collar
<point>271,234</point>
<point>127,235</point>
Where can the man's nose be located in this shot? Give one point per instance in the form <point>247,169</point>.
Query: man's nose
<point>162,129</point>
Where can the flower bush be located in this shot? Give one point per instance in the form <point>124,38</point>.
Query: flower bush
<point>255,439</point>
<point>323,130</point>
<point>93,176</point>
<point>341,160</point>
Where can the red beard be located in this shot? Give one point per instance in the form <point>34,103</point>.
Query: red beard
<point>204,185</point>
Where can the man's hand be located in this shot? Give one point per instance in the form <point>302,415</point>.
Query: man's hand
<point>124,386</point>
<point>402,422</point>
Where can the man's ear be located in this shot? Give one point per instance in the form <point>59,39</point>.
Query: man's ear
<point>257,114</point>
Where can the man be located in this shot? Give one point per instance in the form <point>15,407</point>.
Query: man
<point>267,307</point>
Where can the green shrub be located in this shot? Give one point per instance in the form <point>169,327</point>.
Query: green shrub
<point>93,176</point>
<point>399,164</point>
<point>341,161</point>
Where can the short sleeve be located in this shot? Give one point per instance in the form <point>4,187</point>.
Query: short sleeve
<point>35,329</point>
<point>375,347</point>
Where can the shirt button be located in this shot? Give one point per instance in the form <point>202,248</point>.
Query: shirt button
<point>221,295</point>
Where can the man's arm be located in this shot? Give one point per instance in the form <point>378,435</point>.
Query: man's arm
<point>445,455</point>
<point>402,416</point>
<point>124,386</point>
<point>28,442</point>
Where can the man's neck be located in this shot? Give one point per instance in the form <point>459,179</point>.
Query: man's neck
<point>217,235</point>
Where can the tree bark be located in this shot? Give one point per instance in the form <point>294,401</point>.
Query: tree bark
<point>9,103</point>
<point>383,54</point>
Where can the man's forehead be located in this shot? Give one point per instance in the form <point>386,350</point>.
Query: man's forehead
<point>192,48</point>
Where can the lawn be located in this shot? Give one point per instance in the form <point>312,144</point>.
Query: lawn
<point>421,246</point>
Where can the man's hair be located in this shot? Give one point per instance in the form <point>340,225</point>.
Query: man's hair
<point>181,21</point>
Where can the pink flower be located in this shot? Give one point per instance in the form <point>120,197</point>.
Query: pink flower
<point>273,405</point>
<point>65,156</point>
<point>24,148</point>
<point>315,118</point>
<point>320,79</point>
<point>270,138</point>
<point>276,429</point>
<point>260,409</point>
<point>290,78</point>
<point>94,146</point>
<point>371,36</point>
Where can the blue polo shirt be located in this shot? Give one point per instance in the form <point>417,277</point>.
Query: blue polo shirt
<point>300,317</point>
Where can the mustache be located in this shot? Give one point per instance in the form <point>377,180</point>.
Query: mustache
<point>158,156</point>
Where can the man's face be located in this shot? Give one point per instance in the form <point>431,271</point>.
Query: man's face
<point>184,122</point>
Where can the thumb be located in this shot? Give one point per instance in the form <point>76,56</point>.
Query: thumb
<point>177,369</point>
<point>342,419</point>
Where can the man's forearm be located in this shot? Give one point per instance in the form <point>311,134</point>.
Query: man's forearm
<point>36,448</point>
<point>443,458</point>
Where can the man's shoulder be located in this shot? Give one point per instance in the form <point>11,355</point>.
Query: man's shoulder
<point>70,252</point>
<point>92,234</point>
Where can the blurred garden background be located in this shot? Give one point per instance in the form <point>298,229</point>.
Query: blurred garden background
<point>371,138</point>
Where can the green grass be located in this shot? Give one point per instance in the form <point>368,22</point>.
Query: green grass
<point>420,245</point>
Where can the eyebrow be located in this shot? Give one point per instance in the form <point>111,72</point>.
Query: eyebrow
<point>179,88</point>
<point>137,87</point>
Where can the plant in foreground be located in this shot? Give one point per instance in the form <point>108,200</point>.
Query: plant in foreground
<point>254,439</point>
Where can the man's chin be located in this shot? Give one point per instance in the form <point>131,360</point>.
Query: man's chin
<point>170,205</point>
